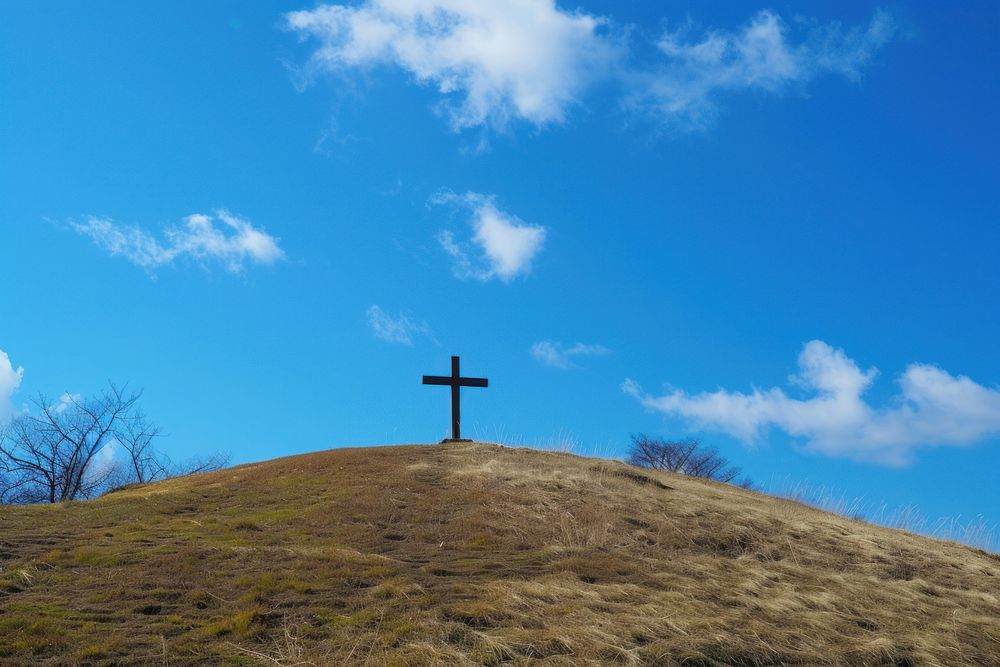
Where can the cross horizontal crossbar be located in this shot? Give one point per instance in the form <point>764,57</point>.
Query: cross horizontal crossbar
<point>447,380</point>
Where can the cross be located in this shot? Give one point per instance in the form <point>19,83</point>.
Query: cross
<point>455,381</point>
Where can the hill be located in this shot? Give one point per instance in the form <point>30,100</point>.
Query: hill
<point>468,554</point>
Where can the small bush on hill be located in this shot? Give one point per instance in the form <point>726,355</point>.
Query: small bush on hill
<point>687,457</point>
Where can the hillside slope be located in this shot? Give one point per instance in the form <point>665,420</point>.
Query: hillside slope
<point>478,554</point>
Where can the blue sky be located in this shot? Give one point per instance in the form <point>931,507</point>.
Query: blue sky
<point>709,219</point>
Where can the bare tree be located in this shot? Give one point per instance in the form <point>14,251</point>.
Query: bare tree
<point>53,454</point>
<point>79,448</point>
<point>687,457</point>
<point>143,462</point>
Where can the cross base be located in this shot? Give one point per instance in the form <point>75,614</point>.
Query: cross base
<point>451,440</point>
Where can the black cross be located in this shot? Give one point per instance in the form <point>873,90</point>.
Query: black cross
<point>455,381</point>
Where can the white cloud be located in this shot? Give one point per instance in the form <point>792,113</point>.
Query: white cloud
<point>103,464</point>
<point>696,70</point>
<point>233,243</point>
<point>506,243</point>
<point>555,354</point>
<point>400,329</point>
<point>492,61</point>
<point>532,61</point>
<point>10,380</point>
<point>66,401</point>
<point>933,408</point>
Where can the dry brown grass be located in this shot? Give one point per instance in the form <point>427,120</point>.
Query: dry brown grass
<point>478,554</point>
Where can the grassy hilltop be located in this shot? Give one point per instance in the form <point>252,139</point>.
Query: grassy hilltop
<point>478,554</point>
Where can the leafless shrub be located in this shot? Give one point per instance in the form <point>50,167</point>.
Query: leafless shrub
<point>199,464</point>
<point>687,457</point>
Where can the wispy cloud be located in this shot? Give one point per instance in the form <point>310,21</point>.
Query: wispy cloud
<point>695,71</point>
<point>10,380</point>
<point>66,401</point>
<point>507,245</point>
<point>557,355</point>
<point>529,60</point>
<point>933,408</point>
<point>491,61</point>
<point>233,243</point>
<point>399,329</point>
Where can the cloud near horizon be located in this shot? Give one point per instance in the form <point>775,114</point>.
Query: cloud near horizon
<point>507,245</point>
<point>232,244</point>
<point>932,409</point>
<point>557,355</point>
<point>10,381</point>
<point>531,61</point>
<point>400,329</point>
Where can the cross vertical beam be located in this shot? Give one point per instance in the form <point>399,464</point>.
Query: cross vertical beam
<point>456,400</point>
<point>456,382</point>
